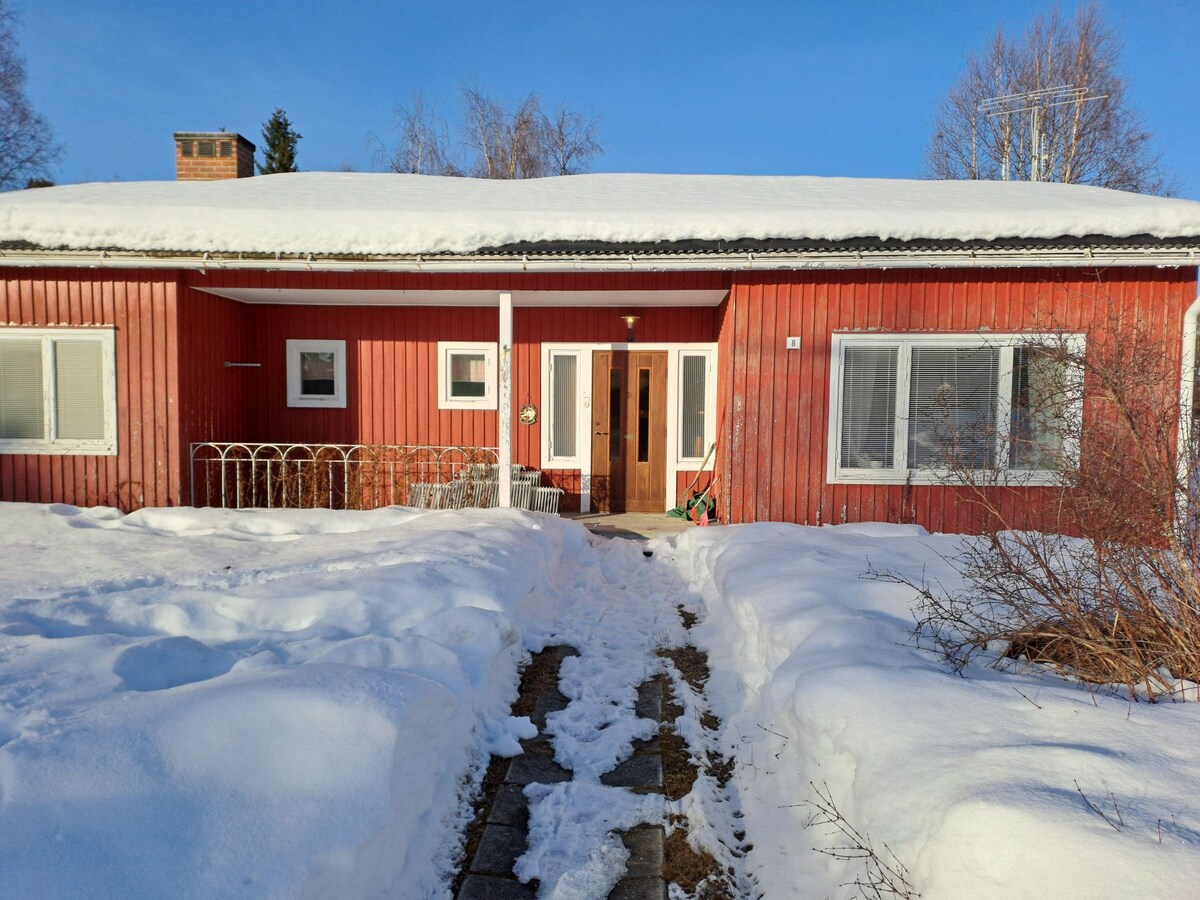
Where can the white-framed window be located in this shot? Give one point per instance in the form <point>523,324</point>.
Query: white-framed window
<point>904,405</point>
<point>466,375</point>
<point>58,391</point>
<point>316,373</point>
<point>695,400</point>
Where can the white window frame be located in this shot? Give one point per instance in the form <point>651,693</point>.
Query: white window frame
<point>295,395</point>
<point>583,416</point>
<point>675,386</point>
<point>491,378</point>
<point>51,444</point>
<point>904,342</point>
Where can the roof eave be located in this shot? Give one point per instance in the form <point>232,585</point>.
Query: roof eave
<point>895,255</point>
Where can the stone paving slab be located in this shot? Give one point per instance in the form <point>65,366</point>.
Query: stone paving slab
<point>498,850</point>
<point>639,889</point>
<point>546,704</point>
<point>511,807</point>
<point>650,700</point>
<point>529,768</point>
<point>643,771</point>
<point>651,745</point>
<point>645,846</point>
<point>483,887</point>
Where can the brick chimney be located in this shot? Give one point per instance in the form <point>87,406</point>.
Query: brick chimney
<point>212,156</point>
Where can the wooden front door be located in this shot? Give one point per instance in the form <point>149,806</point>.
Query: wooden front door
<point>629,431</point>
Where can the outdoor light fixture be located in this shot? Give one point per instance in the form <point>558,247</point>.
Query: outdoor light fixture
<point>629,320</point>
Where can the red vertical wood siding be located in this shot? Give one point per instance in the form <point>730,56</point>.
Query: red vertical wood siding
<point>773,443</point>
<point>172,343</point>
<point>140,306</point>
<point>213,397</point>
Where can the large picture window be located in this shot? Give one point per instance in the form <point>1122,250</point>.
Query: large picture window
<point>915,407</point>
<point>57,391</point>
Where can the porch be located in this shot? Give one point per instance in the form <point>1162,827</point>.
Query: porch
<point>579,400</point>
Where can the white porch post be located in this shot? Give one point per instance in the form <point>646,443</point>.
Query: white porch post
<point>504,411</point>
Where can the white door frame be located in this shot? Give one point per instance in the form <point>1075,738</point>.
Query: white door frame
<point>582,461</point>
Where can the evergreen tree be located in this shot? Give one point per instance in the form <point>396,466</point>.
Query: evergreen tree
<point>279,144</point>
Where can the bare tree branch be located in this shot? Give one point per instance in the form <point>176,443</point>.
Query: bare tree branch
<point>27,147</point>
<point>499,141</point>
<point>422,145</point>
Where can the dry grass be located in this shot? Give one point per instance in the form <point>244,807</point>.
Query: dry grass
<point>697,872</point>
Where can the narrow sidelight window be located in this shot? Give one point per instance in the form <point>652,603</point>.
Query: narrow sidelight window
<point>643,423</point>
<point>565,412</point>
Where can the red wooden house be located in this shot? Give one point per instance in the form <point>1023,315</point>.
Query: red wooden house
<point>605,330</point>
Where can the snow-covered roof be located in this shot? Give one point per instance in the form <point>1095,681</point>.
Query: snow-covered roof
<point>342,214</point>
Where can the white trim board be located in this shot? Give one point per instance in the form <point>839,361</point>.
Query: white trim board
<point>327,297</point>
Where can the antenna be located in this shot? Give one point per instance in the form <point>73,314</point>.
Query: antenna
<point>1034,102</point>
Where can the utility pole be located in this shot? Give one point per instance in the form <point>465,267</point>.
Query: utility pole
<point>1034,102</point>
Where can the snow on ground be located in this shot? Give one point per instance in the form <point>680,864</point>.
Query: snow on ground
<point>362,213</point>
<point>297,703</point>
<point>222,704</point>
<point>973,786</point>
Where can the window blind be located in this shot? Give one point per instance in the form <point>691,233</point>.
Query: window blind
<point>79,390</point>
<point>691,431</point>
<point>22,410</point>
<point>952,407</point>
<point>564,424</point>
<point>869,408</point>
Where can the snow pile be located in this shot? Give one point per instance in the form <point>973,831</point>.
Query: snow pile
<point>975,783</point>
<point>389,214</point>
<point>217,704</point>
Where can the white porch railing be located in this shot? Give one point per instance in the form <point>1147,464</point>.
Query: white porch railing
<point>238,475</point>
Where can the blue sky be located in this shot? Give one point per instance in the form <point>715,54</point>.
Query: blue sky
<point>819,88</point>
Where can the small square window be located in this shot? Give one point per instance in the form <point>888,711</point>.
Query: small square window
<point>466,375</point>
<point>316,373</point>
<point>206,148</point>
<point>226,148</point>
<point>185,148</point>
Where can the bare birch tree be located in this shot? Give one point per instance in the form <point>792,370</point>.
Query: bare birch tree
<point>27,147</point>
<point>499,141</point>
<point>422,147</point>
<point>571,142</point>
<point>1088,135</point>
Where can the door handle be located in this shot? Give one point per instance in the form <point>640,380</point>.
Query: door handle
<point>599,432</point>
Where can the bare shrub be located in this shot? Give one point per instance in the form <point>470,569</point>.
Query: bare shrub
<point>883,875</point>
<point>1114,597</point>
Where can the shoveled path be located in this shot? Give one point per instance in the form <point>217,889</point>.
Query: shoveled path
<point>502,826</point>
<point>490,871</point>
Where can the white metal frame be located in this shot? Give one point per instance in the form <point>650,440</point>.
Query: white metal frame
<point>675,461</point>
<point>52,445</point>
<point>295,394</point>
<point>905,342</point>
<point>446,349</point>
